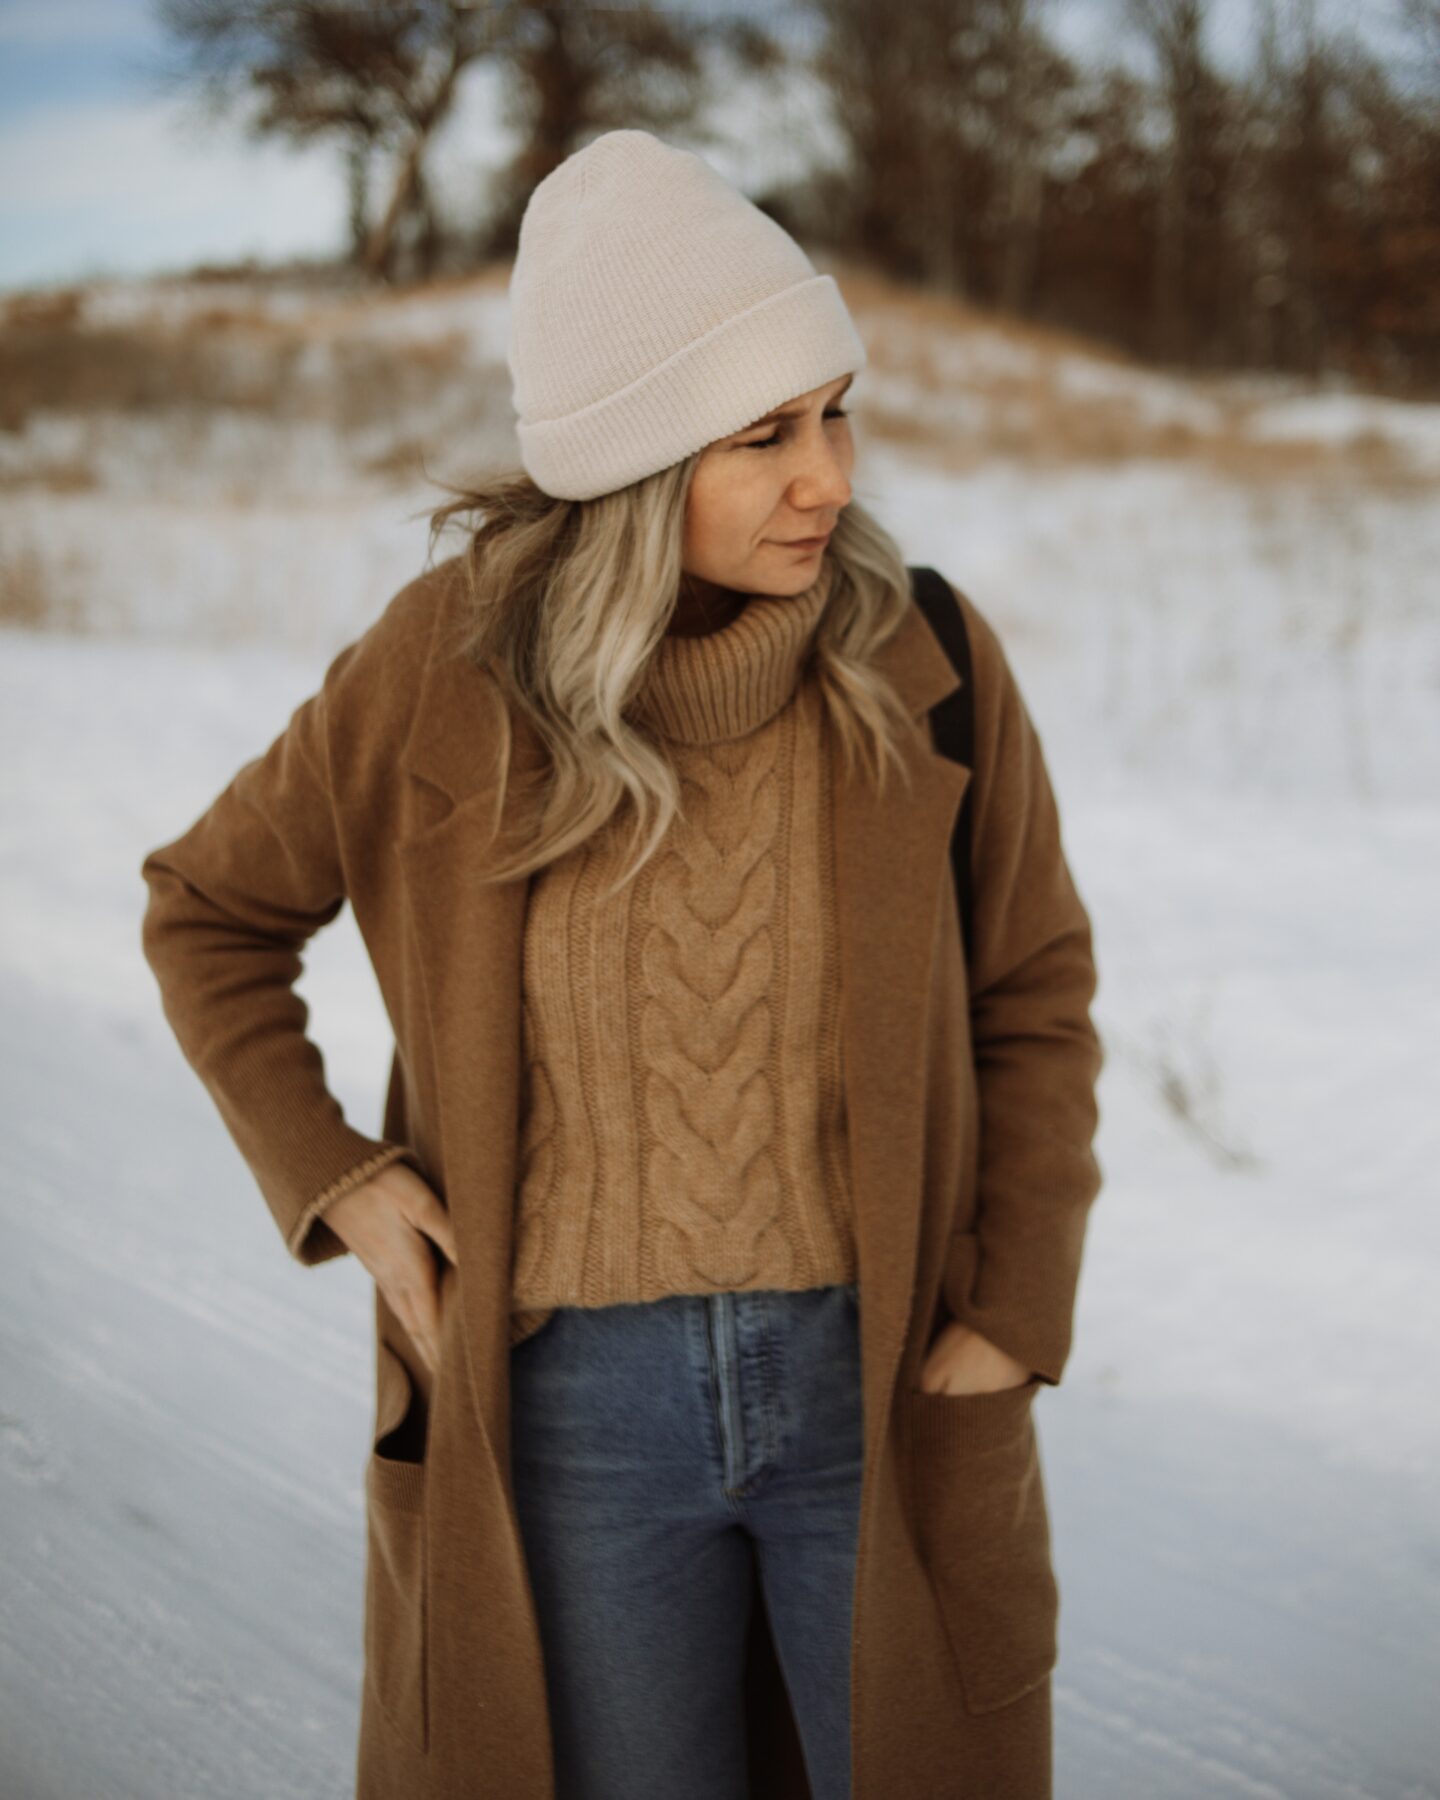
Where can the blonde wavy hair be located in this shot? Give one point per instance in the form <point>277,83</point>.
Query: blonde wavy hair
<point>568,603</point>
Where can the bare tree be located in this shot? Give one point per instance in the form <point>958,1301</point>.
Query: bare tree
<point>950,108</point>
<point>1397,121</point>
<point>1189,272</point>
<point>1337,213</point>
<point>574,69</point>
<point>1095,249</point>
<point>1286,216</point>
<point>381,76</point>
<point>901,195</point>
<point>1422,21</point>
<point>1030,88</point>
<point>378,76</point>
<point>1297,154</point>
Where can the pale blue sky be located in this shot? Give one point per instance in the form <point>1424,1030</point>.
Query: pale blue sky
<point>102,173</point>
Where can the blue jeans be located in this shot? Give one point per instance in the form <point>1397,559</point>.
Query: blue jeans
<point>657,1449</point>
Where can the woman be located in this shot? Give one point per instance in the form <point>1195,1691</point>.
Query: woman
<point>704,1460</point>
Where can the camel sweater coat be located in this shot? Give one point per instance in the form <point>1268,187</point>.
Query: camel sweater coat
<point>970,1111</point>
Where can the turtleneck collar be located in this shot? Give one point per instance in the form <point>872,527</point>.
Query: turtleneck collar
<point>726,683</point>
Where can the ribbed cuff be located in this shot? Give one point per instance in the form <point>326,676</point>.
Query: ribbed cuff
<point>311,1240</point>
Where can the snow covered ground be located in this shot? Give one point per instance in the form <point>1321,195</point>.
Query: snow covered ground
<point>1237,682</point>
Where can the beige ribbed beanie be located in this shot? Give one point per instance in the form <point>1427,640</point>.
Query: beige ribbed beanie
<point>653,309</point>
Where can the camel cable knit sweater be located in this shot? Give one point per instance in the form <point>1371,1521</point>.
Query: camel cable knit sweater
<point>683,1121</point>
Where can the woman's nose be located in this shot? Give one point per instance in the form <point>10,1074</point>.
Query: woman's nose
<point>821,482</point>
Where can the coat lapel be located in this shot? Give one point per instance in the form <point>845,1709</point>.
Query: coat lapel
<point>892,856</point>
<point>467,936</point>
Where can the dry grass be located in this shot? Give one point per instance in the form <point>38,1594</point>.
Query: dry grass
<point>1013,390</point>
<point>320,365</point>
<point>29,599</point>
<point>960,384</point>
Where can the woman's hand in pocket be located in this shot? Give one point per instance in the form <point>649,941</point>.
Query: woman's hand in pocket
<point>961,1361</point>
<point>391,1222</point>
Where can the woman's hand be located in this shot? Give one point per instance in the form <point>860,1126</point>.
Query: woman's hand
<point>960,1361</point>
<point>389,1222</point>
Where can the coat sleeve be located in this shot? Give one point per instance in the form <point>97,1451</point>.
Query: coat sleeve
<point>1013,1273</point>
<point>230,905</point>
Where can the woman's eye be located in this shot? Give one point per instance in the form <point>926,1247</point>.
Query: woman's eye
<point>836,412</point>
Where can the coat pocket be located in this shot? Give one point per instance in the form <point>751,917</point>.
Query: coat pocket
<point>983,1530</point>
<point>395,1584</point>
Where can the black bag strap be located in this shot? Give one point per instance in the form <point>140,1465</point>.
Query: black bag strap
<point>952,720</point>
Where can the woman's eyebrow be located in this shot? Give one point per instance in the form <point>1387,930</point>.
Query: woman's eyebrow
<point>798,412</point>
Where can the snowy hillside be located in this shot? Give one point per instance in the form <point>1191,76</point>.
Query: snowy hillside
<point>1221,599</point>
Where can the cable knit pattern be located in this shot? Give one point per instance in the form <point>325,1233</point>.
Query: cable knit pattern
<point>683,1126</point>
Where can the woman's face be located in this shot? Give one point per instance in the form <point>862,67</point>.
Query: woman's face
<point>754,493</point>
